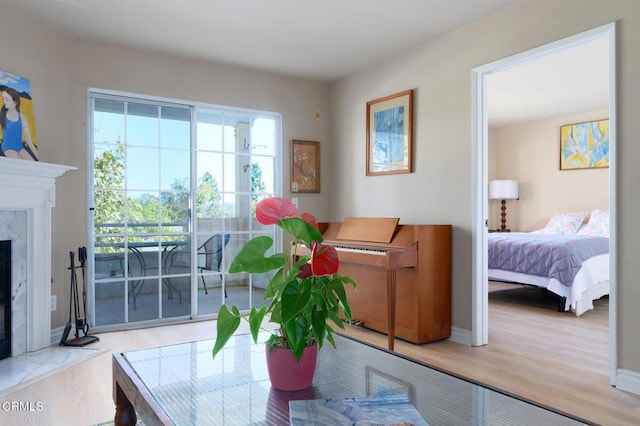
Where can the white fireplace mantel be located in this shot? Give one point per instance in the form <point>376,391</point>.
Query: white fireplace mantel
<point>30,186</point>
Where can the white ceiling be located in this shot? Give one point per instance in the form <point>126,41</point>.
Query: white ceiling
<point>325,40</point>
<point>568,82</point>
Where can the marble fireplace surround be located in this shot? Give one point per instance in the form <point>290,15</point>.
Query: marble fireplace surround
<point>27,195</point>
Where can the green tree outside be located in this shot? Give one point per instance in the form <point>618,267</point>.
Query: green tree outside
<point>169,207</point>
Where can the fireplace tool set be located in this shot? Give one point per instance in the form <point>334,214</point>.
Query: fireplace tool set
<point>81,323</point>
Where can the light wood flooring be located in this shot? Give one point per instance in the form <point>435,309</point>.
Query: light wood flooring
<point>554,359</point>
<point>551,358</point>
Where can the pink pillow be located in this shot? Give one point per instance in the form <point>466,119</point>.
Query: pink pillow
<point>598,224</point>
<point>564,223</point>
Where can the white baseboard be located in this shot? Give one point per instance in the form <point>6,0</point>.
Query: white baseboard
<point>628,381</point>
<point>460,335</point>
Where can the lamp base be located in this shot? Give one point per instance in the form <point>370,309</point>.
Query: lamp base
<point>503,215</point>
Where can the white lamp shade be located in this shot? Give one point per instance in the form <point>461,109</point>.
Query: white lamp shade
<point>503,189</point>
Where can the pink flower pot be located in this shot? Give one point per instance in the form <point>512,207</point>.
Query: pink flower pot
<point>286,373</point>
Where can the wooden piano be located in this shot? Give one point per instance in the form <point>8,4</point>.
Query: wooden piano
<point>403,274</point>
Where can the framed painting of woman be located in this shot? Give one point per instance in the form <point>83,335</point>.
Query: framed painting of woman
<point>17,126</point>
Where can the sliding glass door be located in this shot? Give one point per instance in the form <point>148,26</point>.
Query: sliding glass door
<point>172,195</point>
<point>234,167</point>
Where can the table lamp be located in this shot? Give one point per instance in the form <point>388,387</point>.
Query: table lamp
<point>503,190</point>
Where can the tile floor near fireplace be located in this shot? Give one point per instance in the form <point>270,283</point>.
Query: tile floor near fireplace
<point>24,369</point>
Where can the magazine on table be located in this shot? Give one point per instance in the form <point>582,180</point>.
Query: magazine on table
<point>389,410</point>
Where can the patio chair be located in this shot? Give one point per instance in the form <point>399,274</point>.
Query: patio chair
<point>210,256</point>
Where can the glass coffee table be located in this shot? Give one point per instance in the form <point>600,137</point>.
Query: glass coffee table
<point>182,385</point>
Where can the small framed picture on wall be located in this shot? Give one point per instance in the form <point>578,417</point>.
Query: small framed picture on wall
<point>305,166</point>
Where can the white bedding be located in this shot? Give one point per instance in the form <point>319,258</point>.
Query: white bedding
<point>591,283</point>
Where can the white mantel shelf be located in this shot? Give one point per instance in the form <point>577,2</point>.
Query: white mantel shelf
<point>12,168</point>
<point>30,186</point>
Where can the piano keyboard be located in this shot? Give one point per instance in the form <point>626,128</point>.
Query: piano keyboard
<point>375,252</point>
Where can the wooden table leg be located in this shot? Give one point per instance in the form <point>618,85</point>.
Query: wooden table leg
<point>125,413</point>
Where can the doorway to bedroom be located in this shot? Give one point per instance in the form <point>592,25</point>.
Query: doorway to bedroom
<point>515,140</point>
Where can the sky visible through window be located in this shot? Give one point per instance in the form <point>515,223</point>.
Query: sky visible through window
<point>150,168</point>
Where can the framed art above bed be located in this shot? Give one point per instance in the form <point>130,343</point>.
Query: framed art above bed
<point>584,145</point>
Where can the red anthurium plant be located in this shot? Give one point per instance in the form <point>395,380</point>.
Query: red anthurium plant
<point>305,293</point>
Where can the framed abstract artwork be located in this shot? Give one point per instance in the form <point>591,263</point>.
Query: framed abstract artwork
<point>389,134</point>
<point>305,166</point>
<point>584,145</point>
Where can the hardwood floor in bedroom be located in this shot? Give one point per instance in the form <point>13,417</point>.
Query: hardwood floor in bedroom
<point>554,359</point>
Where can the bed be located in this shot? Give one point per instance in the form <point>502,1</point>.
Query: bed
<point>573,263</point>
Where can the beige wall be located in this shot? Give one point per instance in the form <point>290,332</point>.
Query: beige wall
<point>529,153</point>
<point>440,189</point>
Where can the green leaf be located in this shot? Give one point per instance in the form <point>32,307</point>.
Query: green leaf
<point>275,317</point>
<point>255,321</point>
<point>296,333</point>
<point>338,287</point>
<point>251,257</point>
<point>346,280</point>
<point>321,302</point>
<point>294,299</point>
<point>319,322</point>
<point>330,337</point>
<point>336,319</point>
<point>226,325</point>
<point>300,230</point>
<point>346,310</point>
<point>276,284</point>
<point>273,341</point>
